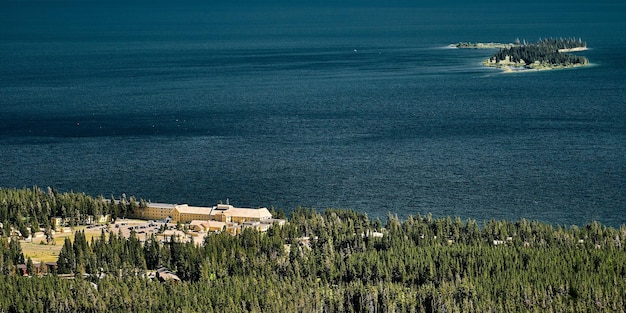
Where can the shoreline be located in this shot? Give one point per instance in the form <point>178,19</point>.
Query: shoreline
<point>573,49</point>
<point>514,67</point>
<point>483,45</point>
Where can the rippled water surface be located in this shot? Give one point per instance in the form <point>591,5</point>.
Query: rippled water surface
<point>359,105</point>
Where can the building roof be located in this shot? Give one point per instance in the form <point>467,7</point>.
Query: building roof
<point>196,222</point>
<point>223,207</point>
<point>164,274</point>
<point>261,213</point>
<point>214,224</point>
<point>207,224</point>
<point>185,209</point>
<point>163,205</point>
<point>277,221</point>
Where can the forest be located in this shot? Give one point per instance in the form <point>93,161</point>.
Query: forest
<point>330,261</point>
<point>32,208</point>
<point>546,52</point>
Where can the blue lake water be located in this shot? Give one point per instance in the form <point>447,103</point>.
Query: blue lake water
<point>356,105</point>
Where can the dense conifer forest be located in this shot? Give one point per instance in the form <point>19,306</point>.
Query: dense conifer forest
<point>34,207</point>
<point>330,261</point>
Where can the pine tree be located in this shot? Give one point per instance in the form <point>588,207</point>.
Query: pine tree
<point>30,267</point>
<point>67,260</point>
<point>15,254</point>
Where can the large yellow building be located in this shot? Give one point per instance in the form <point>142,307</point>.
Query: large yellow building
<point>229,214</point>
<point>184,213</point>
<point>156,211</point>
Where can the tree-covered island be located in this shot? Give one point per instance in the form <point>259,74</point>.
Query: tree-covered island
<point>549,53</point>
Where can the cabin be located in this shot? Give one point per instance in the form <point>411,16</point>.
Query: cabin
<point>51,267</point>
<point>22,269</point>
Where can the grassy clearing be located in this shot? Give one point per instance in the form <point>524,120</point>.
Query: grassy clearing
<point>50,252</point>
<point>41,253</point>
<point>44,252</point>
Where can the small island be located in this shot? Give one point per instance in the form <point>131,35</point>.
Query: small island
<point>549,53</point>
<point>484,45</point>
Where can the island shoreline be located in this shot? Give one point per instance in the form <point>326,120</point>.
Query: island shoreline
<point>546,54</point>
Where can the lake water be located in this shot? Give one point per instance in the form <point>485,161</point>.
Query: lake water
<point>356,105</point>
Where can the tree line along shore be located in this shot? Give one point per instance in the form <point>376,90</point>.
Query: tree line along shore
<point>334,260</point>
<point>548,53</point>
